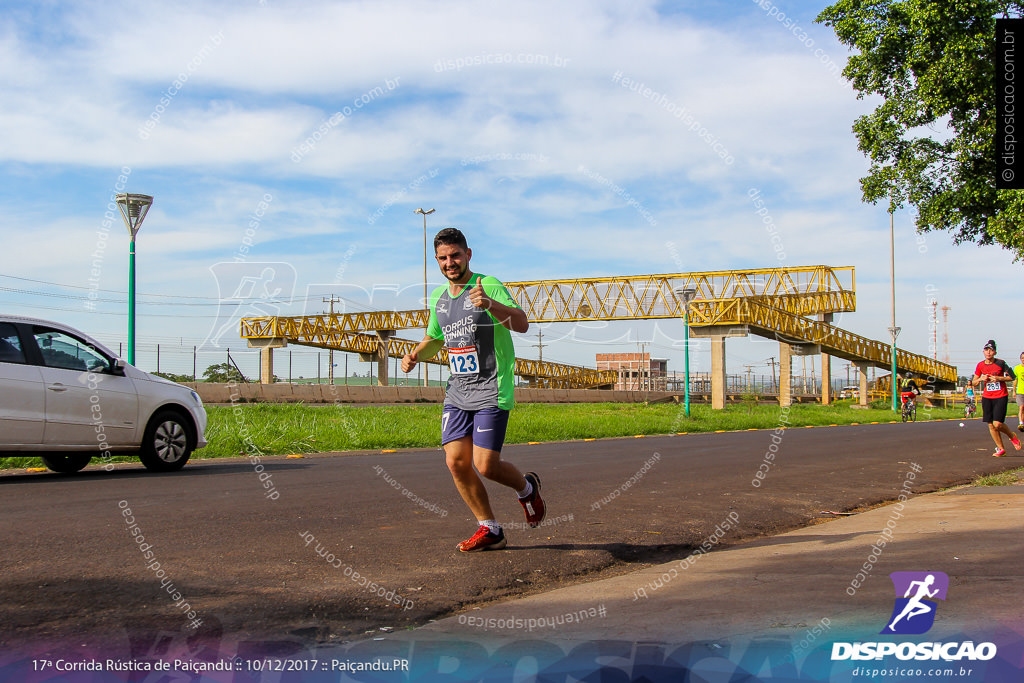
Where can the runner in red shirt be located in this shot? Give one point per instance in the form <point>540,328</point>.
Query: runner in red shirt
<point>994,375</point>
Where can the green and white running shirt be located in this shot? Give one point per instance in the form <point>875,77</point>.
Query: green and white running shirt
<point>480,353</point>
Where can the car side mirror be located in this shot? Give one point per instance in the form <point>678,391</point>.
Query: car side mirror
<point>117,367</point>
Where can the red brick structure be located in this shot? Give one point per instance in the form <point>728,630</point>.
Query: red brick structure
<point>637,371</point>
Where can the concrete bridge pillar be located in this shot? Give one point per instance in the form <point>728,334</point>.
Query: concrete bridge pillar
<point>718,372</point>
<point>862,381</point>
<point>266,347</point>
<point>382,356</point>
<point>826,366</point>
<point>826,379</point>
<point>785,375</point>
<point>718,335</point>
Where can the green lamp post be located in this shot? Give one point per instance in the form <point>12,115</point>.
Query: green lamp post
<point>687,294</point>
<point>134,208</point>
<point>895,332</point>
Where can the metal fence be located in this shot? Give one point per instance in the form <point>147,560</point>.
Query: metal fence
<point>298,364</point>
<point>309,365</point>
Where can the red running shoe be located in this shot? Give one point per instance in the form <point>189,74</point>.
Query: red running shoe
<point>999,453</point>
<point>483,539</point>
<point>533,504</point>
<point>1016,442</point>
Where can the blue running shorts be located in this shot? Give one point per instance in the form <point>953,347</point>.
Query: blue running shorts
<point>486,425</point>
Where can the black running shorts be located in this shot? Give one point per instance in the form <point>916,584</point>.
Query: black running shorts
<point>993,409</point>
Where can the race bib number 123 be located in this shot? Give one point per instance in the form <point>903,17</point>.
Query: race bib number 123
<point>464,361</point>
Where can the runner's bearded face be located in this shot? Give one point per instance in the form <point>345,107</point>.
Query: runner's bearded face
<point>454,262</point>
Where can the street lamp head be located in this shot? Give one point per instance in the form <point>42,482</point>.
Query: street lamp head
<point>425,213</point>
<point>687,294</point>
<point>134,208</point>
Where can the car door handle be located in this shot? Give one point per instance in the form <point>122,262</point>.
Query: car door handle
<point>57,387</point>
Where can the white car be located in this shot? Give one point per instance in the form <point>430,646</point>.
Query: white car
<point>68,399</point>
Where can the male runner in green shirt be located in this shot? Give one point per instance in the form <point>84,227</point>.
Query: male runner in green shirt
<point>472,316</point>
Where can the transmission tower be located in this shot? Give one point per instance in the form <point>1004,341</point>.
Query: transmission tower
<point>945,334</point>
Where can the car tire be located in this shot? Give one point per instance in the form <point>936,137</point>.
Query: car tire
<point>168,442</point>
<point>66,464</point>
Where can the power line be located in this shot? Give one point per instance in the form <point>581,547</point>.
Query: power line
<point>214,301</point>
<point>73,297</point>
<point>37,307</point>
<point>96,289</point>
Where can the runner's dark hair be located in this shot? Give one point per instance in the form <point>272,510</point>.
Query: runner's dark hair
<point>450,236</point>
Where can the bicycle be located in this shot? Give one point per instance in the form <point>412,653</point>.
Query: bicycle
<point>909,412</point>
<point>970,409</point>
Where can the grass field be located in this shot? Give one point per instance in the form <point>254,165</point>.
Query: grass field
<point>274,429</point>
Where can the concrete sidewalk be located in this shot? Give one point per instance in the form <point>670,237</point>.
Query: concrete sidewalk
<point>830,580</point>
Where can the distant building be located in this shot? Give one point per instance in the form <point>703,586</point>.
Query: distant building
<point>637,371</point>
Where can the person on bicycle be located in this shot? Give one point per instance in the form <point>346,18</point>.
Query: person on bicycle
<point>969,405</point>
<point>908,390</point>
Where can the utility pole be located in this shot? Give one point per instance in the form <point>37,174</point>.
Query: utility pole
<point>893,330</point>
<point>641,371</point>
<point>540,344</point>
<point>771,360</point>
<point>330,353</point>
<point>935,331</point>
<point>424,368</point>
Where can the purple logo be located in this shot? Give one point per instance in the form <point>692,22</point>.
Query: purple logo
<point>916,592</point>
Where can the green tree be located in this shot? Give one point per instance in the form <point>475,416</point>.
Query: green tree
<point>222,372</point>
<point>931,140</point>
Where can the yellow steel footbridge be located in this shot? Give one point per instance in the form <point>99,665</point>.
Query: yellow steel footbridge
<point>793,305</point>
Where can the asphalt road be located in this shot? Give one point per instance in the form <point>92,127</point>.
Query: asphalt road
<point>342,546</point>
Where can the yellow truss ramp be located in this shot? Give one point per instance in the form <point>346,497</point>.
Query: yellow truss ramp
<point>773,323</point>
<point>298,328</point>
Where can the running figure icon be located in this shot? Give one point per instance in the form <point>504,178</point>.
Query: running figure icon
<point>916,601</point>
<point>915,606</point>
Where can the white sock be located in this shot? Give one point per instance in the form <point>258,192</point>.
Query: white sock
<point>525,493</point>
<point>492,525</point>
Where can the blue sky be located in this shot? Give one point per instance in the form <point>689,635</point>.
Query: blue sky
<point>320,126</point>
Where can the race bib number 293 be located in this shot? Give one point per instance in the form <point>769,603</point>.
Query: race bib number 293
<point>464,361</point>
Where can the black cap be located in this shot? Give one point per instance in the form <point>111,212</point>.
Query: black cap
<point>990,344</point>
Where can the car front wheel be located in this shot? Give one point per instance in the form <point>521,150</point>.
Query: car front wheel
<point>66,464</point>
<point>167,444</point>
